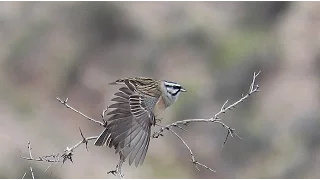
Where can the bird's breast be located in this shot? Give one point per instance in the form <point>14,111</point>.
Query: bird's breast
<point>160,106</point>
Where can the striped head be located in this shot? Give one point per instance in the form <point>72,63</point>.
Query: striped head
<point>170,91</point>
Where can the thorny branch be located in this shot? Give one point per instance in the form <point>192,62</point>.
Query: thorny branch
<point>214,119</point>
<point>64,102</point>
<point>30,155</point>
<point>66,155</point>
<point>68,152</point>
<point>193,159</point>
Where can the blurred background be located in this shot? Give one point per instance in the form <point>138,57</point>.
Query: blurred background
<point>74,49</point>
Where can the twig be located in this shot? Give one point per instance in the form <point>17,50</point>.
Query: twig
<point>29,148</point>
<point>64,102</point>
<point>51,164</point>
<point>67,155</point>
<point>103,116</point>
<point>68,152</point>
<point>193,159</point>
<point>24,175</point>
<point>215,119</point>
<point>30,155</point>
<point>44,158</point>
<point>48,158</point>
<point>31,172</point>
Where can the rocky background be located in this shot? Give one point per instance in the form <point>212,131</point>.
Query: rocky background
<point>74,49</point>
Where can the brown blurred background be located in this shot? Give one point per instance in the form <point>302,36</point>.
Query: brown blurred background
<point>74,49</point>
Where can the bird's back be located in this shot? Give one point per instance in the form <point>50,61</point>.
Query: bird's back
<point>142,85</point>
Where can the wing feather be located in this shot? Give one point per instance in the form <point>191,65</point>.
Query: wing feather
<point>120,99</point>
<point>129,124</point>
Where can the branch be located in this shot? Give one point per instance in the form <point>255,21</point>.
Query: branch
<point>24,175</point>
<point>68,152</point>
<point>31,172</point>
<point>214,119</point>
<point>64,102</point>
<point>66,155</point>
<point>30,155</point>
<point>193,159</point>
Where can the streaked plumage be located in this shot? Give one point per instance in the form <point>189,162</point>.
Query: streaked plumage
<point>135,107</point>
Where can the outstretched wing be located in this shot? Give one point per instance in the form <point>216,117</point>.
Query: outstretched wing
<point>129,127</point>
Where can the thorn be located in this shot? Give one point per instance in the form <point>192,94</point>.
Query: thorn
<point>257,74</point>
<point>84,140</point>
<point>224,104</point>
<point>224,142</point>
<point>195,163</point>
<point>237,135</point>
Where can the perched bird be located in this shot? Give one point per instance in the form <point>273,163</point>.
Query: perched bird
<point>137,103</point>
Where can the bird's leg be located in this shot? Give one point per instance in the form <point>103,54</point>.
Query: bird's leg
<point>117,171</point>
<point>118,168</point>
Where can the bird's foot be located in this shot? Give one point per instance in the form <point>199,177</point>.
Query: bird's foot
<point>117,171</point>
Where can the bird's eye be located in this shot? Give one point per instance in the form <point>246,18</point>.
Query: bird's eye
<point>173,90</point>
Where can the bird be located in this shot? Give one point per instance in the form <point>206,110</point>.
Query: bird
<point>136,105</point>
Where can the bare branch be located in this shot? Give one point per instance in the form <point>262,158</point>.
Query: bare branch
<point>214,119</point>
<point>103,116</point>
<point>30,155</point>
<point>68,152</point>
<point>64,102</point>
<point>181,128</point>
<point>48,158</point>
<point>193,159</point>
<point>51,164</point>
<point>29,148</point>
<point>31,172</point>
<point>24,175</point>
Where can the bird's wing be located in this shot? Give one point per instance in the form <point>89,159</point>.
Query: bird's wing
<point>129,127</point>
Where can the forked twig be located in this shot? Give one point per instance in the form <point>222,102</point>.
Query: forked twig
<point>214,119</point>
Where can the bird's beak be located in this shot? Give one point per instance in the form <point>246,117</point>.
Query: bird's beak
<point>183,90</point>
